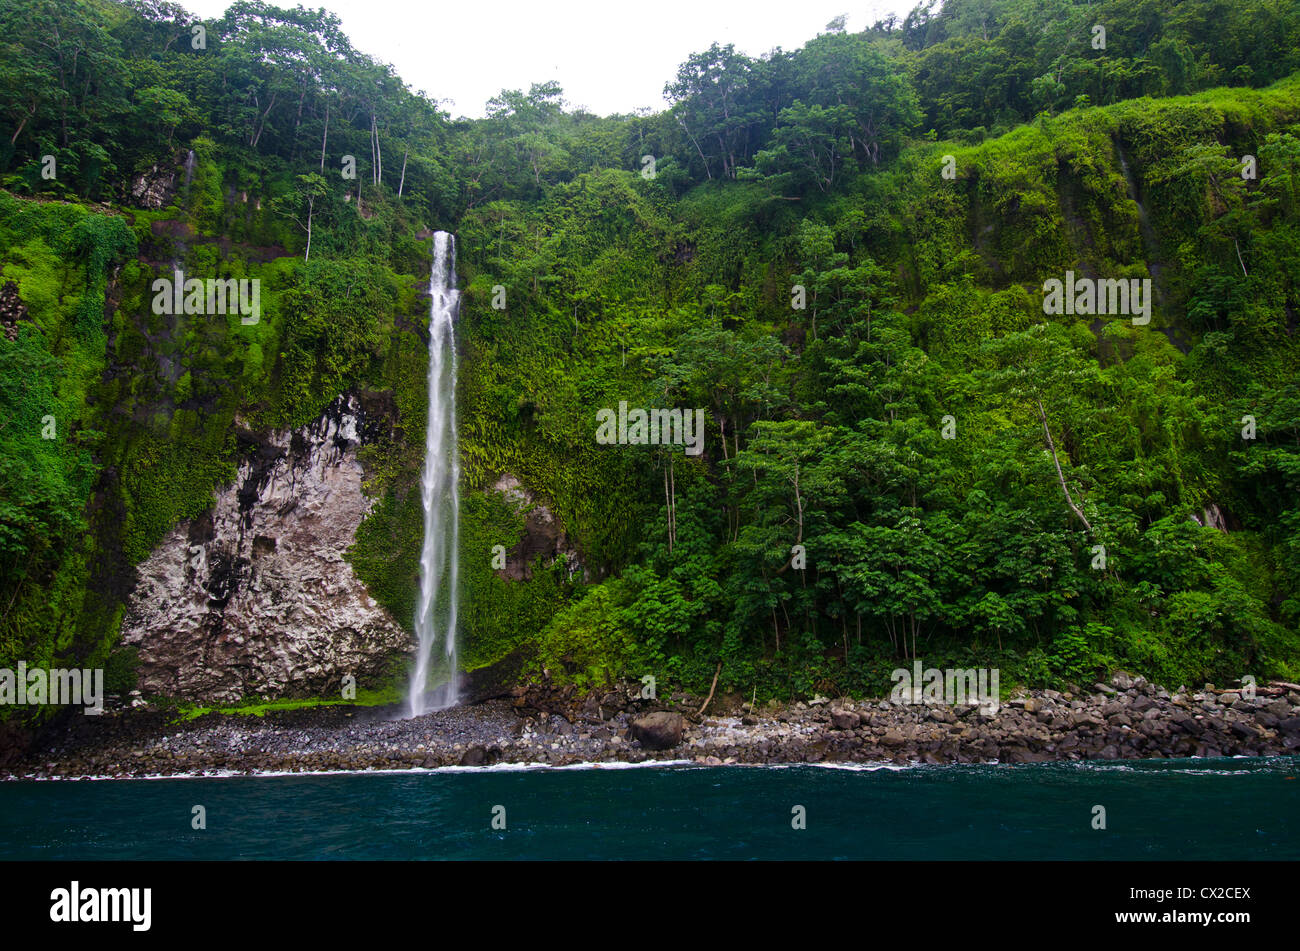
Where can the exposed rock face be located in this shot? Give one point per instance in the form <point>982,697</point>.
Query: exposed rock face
<point>256,598</point>
<point>544,535</point>
<point>12,310</point>
<point>498,679</point>
<point>154,188</point>
<point>1214,517</point>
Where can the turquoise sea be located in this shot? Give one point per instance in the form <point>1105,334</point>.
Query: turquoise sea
<point>1165,809</point>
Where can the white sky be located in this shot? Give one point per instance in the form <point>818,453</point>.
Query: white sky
<point>608,55</point>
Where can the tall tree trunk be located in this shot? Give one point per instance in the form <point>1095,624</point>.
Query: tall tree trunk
<point>668,512</point>
<point>374,162</point>
<point>262,124</point>
<point>311,208</point>
<point>697,148</point>
<point>325,137</point>
<point>297,121</point>
<point>1069,500</point>
<point>672,487</point>
<point>798,501</point>
<point>402,183</point>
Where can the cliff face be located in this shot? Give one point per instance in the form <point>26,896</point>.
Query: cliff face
<point>256,597</point>
<point>544,535</point>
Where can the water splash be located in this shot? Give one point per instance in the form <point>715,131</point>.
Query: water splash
<point>433,681</point>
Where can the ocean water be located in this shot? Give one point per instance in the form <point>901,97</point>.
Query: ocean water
<point>1168,809</point>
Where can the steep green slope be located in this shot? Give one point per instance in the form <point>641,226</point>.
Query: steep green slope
<point>925,300</point>
<point>856,307</point>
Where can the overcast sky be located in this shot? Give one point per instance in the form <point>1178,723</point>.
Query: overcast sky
<point>608,55</point>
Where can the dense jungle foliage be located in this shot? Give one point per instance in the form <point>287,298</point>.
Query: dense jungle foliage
<point>838,252</point>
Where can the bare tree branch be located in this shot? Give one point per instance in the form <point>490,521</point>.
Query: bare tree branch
<point>1059,474</point>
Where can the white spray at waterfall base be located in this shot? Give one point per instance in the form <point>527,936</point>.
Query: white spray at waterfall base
<point>433,681</point>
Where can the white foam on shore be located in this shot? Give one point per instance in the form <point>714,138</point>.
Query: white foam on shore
<point>1274,762</point>
<point>1190,765</point>
<point>268,774</point>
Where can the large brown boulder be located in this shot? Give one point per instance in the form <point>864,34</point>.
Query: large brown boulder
<point>658,731</point>
<point>844,719</point>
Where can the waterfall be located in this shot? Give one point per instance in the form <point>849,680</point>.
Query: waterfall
<point>1150,243</point>
<point>433,682</point>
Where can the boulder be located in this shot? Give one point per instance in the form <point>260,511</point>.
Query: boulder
<point>1243,730</point>
<point>1290,726</point>
<point>497,679</point>
<point>474,756</point>
<point>1279,708</point>
<point>845,720</point>
<point>658,731</point>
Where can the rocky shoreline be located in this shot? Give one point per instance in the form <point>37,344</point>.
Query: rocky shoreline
<point>1128,718</point>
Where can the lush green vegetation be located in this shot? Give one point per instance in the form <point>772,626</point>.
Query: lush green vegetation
<point>912,186</point>
<point>364,698</point>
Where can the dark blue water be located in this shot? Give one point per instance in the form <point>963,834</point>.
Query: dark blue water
<point>1171,809</point>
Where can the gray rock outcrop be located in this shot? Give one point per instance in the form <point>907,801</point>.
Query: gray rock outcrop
<point>255,598</point>
<point>544,535</point>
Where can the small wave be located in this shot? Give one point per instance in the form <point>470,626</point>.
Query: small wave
<point>278,773</point>
<point>1189,766</point>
